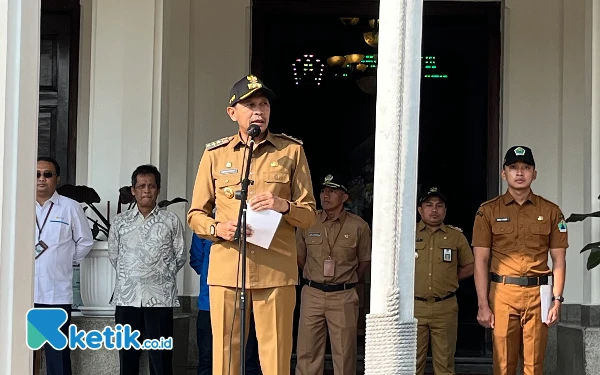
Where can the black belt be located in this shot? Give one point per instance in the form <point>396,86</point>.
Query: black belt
<point>435,299</point>
<point>522,281</point>
<point>330,287</point>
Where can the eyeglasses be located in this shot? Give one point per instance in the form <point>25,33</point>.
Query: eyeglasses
<point>46,174</point>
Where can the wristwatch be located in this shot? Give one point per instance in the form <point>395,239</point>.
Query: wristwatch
<point>213,230</point>
<point>560,299</point>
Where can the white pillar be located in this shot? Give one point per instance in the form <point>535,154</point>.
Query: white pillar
<point>391,327</point>
<point>125,107</point>
<point>595,145</point>
<point>19,66</point>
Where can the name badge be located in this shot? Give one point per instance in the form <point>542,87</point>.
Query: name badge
<point>229,171</point>
<point>503,219</point>
<point>447,255</point>
<point>40,247</point>
<point>314,234</point>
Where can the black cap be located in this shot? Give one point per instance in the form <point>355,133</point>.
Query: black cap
<point>336,182</point>
<point>519,153</point>
<point>246,87</point>
<point>432,192</point>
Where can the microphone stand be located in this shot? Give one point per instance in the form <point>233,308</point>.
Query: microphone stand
<point>240,234</point>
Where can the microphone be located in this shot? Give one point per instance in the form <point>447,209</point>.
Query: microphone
<point>253,131</point>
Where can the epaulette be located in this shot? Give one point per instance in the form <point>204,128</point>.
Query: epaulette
<point>455,228</point>
<point>290,138</point>
<point>218,143</point>
<point>490,201</point>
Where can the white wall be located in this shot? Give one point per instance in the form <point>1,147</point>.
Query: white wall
<point>155,80</point>
<point>133,96</point>
<point>219,56</point>
<point>547,92</point>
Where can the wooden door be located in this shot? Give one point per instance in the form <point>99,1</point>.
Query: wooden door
<point>59,40</point>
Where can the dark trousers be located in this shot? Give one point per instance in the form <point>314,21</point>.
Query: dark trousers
<point>204,340</point>
<point>153,323</point>
<point>58,362</point>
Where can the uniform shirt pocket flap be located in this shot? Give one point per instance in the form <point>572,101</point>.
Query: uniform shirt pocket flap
<point>316,240</point>
<point>347,240</point>
<point>502,228</point>
<point>282,177</point>
<point>224,181</point>
<point>420,245</point>
<point>540,228</point>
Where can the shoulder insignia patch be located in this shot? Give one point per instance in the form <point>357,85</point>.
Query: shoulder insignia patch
<point>490,201</point>
<point>218,143</point>
<point>290,138</point>
<point>455,228</point>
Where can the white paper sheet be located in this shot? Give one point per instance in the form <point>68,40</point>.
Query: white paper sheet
<point>546,296</point>
<point>264,225</point>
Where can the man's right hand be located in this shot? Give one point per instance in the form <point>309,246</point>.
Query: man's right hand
<point>485,316</point>
<point>227,229</point>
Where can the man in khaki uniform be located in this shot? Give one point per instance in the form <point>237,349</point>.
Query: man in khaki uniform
<point>443,258</point>
<point>518,229</point>
<point>335,254</point>
<point>281,182</point>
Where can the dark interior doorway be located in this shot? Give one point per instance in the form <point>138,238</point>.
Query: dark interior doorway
<point>335,118</point>
<point>59,67</point>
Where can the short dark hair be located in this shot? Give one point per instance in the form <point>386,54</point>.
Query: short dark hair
<point>50,160</point>
<point>146,169</point>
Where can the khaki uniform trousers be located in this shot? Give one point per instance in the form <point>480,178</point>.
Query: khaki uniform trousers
<point>319,311</point>
<point>273,319</point>
<point>518,329</point>
<point>438,323</point>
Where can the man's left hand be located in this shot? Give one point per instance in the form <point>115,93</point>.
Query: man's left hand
<point>553,315</point>
<point>268,201</point>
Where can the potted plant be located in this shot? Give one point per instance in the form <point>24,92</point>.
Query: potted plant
<point>594,247</point>
<point>97,276</point>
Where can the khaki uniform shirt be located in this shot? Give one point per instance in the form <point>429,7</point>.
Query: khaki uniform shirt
<point>346,239</point>
<point>519,236</point>
<point>440,254</point>
<point>278,165</point>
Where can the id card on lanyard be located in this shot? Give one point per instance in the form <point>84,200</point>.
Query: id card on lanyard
<point>329,264</point>
<point>41,246</point>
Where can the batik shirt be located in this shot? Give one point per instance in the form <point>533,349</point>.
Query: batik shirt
<point>147,253</point>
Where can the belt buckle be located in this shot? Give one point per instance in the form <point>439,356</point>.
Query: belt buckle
<point>430,299</point>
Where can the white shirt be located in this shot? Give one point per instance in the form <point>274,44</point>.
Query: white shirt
<point>69,239</point>
<point>147,254</point>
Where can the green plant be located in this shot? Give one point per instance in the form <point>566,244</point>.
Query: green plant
<point>87,195</point>
<point>594,247</point>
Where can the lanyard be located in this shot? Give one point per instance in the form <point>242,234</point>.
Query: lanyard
<point>40,229</point>
<point>331,246</point>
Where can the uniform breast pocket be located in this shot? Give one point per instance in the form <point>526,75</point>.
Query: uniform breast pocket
<point>278,183</point>
<point>539,234</point>
<point>422,260</point>
<point>226,186</point>
<point>62,228</point>
<point>446,253</point>
<point>347,244</point>
<point>314,245</point>
<point>504,236</point>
